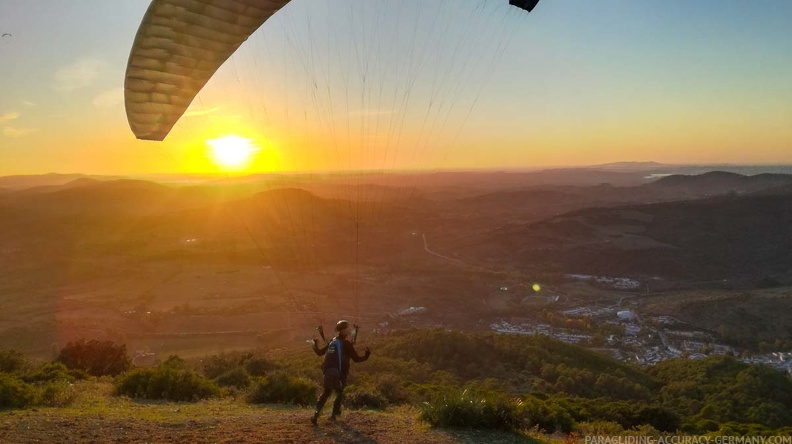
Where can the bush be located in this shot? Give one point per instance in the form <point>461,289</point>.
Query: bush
<point>487,410</point>
<point>546,415</point>
<point>392,387</point>
<point>281,388</point>
<point>174,362</point>
<point>258,366</point>
<point>426,391</point>
<point>360,397</point>
<point>55,371</point>
<point>12,361</point>
<point>97,358</point>
<point>658,417</point>
<point>165,383</point>
<point>15,393</point>
<point>216,365</point>
<point>58,394</point>
<point>237,377</point>
<point>601,428</point>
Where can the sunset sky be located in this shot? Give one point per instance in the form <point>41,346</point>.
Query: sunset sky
<point>578,82</point>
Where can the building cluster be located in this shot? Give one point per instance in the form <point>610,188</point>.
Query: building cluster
<point>588,311</point>
<point>665,339</point>
<point>619,283</point>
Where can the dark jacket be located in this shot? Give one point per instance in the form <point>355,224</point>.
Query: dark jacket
<point>337,354</point>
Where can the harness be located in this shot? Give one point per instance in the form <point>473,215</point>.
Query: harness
<point>337,343</point>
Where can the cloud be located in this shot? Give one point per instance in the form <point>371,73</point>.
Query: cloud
<point>10,131</point>
<point>79,74</point>
<point>109,98</point>
<point>7,117</point>
<point>18,132</point>
<point>28,103</point>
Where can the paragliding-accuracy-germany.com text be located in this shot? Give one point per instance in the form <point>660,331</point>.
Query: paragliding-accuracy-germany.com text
<point>723,439</point>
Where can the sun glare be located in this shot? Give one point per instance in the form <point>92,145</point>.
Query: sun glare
<point>231,152</point>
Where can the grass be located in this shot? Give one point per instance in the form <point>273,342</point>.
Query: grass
<point>96,415</point>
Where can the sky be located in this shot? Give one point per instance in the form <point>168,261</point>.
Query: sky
<point>329,85</point>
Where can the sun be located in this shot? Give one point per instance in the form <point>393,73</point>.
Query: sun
<point>232,152</point>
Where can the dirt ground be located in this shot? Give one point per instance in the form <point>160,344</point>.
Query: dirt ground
<point>284,427</point>
<point>95,417</point>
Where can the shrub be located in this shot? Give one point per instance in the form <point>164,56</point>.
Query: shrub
<point>705,425</point>
<point>58,393</point>
<point>600,428</point>
<point>174,362</point>
<point>546,415</point>
<point>658,417</point>
<point>426,391</point>
<point>487,410</point>
<point>15,393</point>
<point>165,383</point>
<point>12,361</point>
<point>359,397</point>
<point>214,366</point>
<point>97,358</point>
<point>281,388</point>
<point>237,377</point>
<point>258,366</point>
<point>55,371</point>
<point>392,387</point>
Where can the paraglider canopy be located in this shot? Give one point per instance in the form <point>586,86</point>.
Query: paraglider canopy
<point>528,5</point>
<point>179,46</point>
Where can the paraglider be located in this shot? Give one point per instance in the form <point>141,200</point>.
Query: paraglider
<point>179,46</point>
<point>399,84</point>
<point>528,5</point>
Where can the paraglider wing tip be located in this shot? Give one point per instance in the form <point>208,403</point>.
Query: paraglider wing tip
<point>154,137</point>
<point>527,5</point>
<point>147,132</point>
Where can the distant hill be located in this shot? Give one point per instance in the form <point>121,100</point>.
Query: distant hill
<point>99,198</point>
<point>721,182</point>
<point>53,179</point>
<point>670,188</point>
<point>518,205</point>
<point>663,228</point>
<point>633,166</point>
<point>127,216</point>
<point>736,238</point>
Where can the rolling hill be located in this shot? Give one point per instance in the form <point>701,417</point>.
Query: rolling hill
<point>738,238</point>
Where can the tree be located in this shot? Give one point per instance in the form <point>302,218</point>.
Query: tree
<point>96,358</point>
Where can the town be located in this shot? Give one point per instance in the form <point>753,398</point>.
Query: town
<point>626,334</point>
